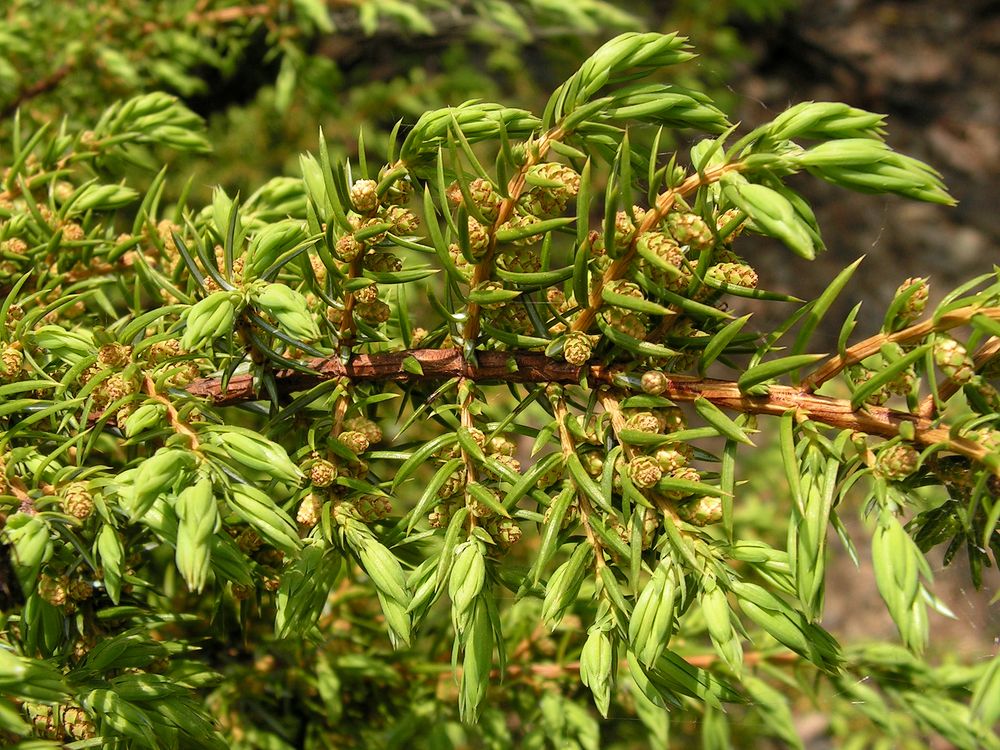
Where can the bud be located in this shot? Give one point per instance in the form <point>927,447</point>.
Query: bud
<point>702,511</point>
<point>116,387</point>
<point>161,351</point>
<point>14,246</point>
<point>502,445</point>
<point>322,473</point>
<point>356,442</point>
<point>403,220</point>
<point>479,238</point>
<point>735,274</point>
<point>366,427</point>
<point>367,294</point>
<point>672,419</point>
<point>438,517</point>
<point>896,462</point>
<point>53,590</point>
<point>556,298</point>
<point>11,364</point>
<point>643,421</point>
<point>508,461</point>
<point>626,289</point>
<point>79,590</point>
<point>691,230</point>
<point>373,313</point>
<point>399,190</point>
<point>629,323</point>
<point>577,348</point>
<point>508,532</point>
<point>916,303</point>
<point>77,724</point>
<point>519,259</point>
<point>654,382</point>
<point>348,248</point>
<point>951,357</point>
<point>644,471</point>
<point>310,510</point>
<point>671,458</point>
<point>624,230</point>
<point>686,473</point>
<point>114,355</point>
<point>77,501</point>
<point>363,196</point>
<point>382,262</point>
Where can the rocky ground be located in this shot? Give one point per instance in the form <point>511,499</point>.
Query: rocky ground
<point>933,69</point>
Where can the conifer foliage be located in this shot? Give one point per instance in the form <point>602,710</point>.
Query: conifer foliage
<point>445,445</point>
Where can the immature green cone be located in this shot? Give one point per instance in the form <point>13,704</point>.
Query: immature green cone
<point>578,348</point>
<point>209,319</point>
<point>269,244</point>
<point>597,667</point>
<point>155,475</point>
<point>691,230</point>
<point>916,303</point>
<point>289,309</point>
<point>258,454</point>
<point>702,511</point>
<point>951,357</point>
<point>144,418</point>
<point>897,461</point>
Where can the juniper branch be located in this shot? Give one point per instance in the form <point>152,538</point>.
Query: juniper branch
<point>535,367</point>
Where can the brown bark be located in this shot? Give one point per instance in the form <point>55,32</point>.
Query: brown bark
<point>535,367</point>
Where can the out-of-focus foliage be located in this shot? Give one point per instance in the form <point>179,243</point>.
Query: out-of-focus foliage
<point>445,444</point>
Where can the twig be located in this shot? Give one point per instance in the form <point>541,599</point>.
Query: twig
<point>654,216</point>
<point>535,367</point>
<point>484,268</point>
<point>36,89</point>
<point>871,345</point>
<point>950,387</point>
<point>179,425</point>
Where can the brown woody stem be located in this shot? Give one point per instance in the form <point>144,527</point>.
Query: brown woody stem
<point>484,268</point>
<point>871,345</point>
<point>653,217</point>
<point>535,367</point>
